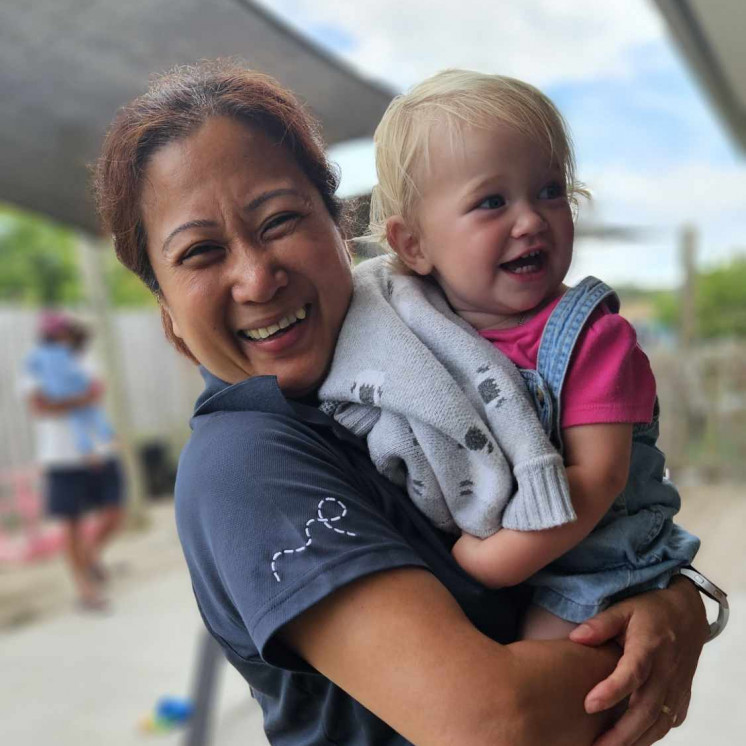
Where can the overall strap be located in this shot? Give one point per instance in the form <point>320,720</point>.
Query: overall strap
<point>563,329</point>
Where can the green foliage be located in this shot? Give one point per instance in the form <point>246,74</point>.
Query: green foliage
<point>39,265</point>
<point>720,303</point>
<point>667,308</point>
<point>126,289</point>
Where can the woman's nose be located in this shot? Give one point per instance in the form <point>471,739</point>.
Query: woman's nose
<point>528,222</point>
<point>256,278</point>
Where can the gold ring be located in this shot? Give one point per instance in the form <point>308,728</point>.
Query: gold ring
<point>666,710</point>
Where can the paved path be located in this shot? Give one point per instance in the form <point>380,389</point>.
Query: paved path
<point>78,680</point>
<point>68,679</point>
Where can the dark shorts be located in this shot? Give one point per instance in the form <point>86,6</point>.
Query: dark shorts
<point>72,492</point>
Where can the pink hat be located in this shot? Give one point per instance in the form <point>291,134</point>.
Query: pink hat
<point>52,323</point>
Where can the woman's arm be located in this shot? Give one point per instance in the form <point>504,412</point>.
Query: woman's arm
<point>597,463</point>
<point>399,643</point>
<point>42,405</point>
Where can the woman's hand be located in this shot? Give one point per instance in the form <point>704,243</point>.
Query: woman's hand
<point>661,634</point>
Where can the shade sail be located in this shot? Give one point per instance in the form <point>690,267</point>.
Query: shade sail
<point>66,66</point>
<point>710,34</point>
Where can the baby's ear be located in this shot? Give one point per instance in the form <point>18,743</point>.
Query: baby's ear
<point>407,245</point>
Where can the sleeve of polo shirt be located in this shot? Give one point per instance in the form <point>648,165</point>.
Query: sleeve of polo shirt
<point>273,520</point>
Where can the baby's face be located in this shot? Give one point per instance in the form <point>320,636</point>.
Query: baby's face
<point>494,226</point>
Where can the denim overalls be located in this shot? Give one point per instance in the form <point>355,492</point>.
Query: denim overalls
<point>636,546</point>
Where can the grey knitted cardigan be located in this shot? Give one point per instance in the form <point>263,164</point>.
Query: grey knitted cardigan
<point>444,413</point>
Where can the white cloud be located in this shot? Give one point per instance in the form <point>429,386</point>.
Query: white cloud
<point>542,41</point>
<point>356,161</point>
<point>707,196</point>
<point>697,191</point>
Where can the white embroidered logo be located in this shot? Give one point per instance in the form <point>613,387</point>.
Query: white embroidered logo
<point>324,521</point>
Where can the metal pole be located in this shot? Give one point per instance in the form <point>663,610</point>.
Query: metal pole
<point>204,690</point>
<point>91,263</point>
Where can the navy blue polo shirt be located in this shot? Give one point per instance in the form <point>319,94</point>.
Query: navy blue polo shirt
<point>277,507</point>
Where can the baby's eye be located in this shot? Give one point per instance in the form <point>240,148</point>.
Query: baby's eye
<point>493,202</point>
<point>553,190</point>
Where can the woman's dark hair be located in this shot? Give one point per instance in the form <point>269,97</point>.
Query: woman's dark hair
<point>176,105</point>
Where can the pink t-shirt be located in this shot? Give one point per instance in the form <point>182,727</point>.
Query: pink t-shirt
<point>609,378</point>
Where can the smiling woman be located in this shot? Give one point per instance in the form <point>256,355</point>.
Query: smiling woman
<point>338,603</point>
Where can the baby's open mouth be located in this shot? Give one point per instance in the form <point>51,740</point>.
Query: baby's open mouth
<point>283,326</point>
<point>533,261</point>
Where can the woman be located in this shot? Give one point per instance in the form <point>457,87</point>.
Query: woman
<point>335,599</point>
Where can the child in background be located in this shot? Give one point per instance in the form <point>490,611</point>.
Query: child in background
<point>54,363</point>
<point>476,193</point>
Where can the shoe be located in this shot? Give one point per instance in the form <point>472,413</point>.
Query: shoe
<point>96,604</point>
<point>98,573</point>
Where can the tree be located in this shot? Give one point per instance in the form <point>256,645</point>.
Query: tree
<point>39,265</point>
<point>720,303</point>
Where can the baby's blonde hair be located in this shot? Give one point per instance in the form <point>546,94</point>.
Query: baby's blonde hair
<point>455,99</point>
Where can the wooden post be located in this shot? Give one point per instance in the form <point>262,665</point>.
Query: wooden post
<point>688,372</point>
<point>688,319</point>
<point>91,259</point>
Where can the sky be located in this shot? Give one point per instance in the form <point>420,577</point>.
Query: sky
<point>648,146</point>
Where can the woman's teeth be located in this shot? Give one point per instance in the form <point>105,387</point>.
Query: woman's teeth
<point>263,332</point>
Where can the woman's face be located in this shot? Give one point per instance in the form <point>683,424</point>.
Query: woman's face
<point>254,273</point>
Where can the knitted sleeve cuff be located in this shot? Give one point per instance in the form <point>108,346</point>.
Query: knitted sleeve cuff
<point>542,499</point>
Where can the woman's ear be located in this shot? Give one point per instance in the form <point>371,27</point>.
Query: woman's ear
<point>173,335</point>
<point>169,323</point>
<point>407,245</point>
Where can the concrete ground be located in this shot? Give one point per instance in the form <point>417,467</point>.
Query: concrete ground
<point>71,678</point>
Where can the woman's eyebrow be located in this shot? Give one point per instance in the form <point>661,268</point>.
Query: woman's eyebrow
<point>186,227</point>
<point>266,196</point>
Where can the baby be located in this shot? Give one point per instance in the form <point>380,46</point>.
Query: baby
<point>476,193</point>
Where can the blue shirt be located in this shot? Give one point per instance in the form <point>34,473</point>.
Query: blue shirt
<point>277,507</point>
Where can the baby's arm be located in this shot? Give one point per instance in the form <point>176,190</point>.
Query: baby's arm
<point>597,462</point>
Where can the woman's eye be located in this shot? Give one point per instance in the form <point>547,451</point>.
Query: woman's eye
<point>279,224</point>
<point>555,190</point>
<point>493,202</point>
<point>202,251</point>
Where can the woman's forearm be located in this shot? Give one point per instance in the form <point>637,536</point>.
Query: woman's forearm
<point>553,678</point>
<point>399,644</point>
<point>41,404</point>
